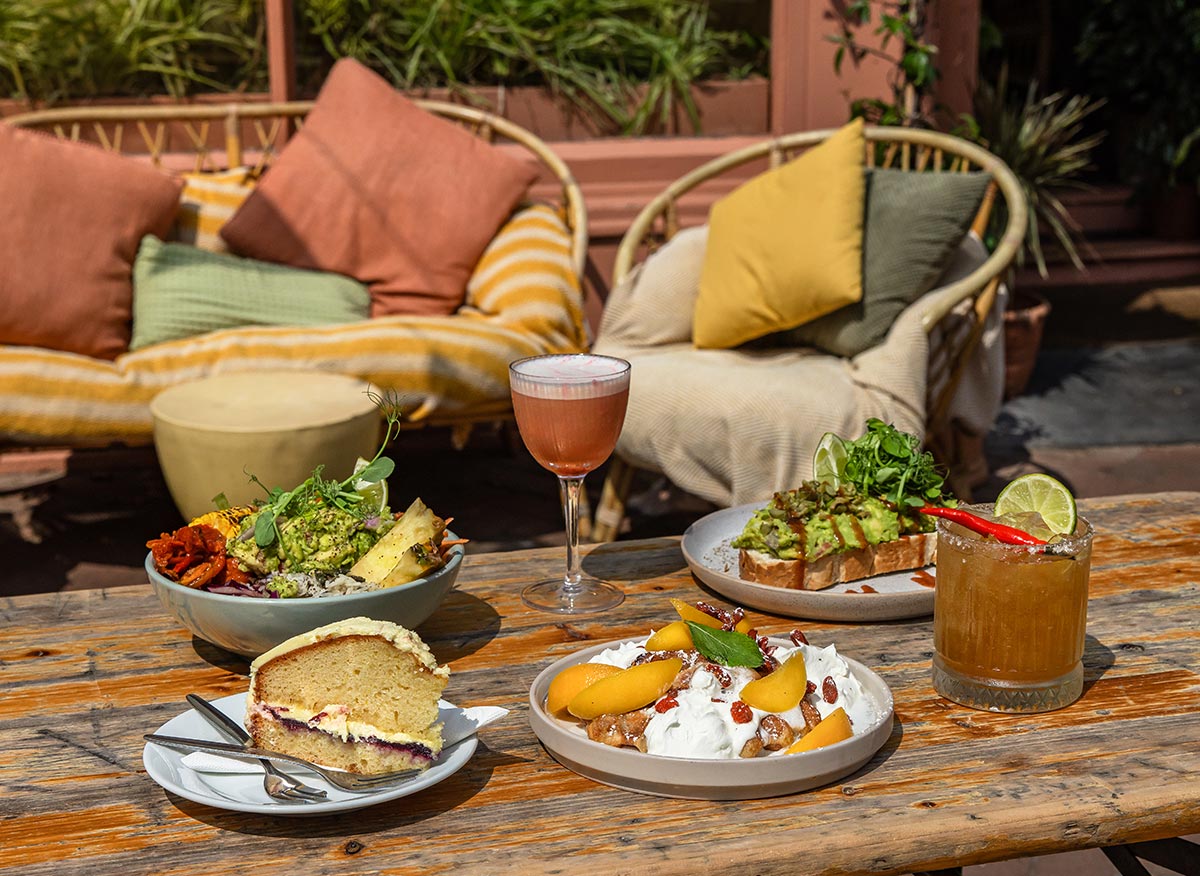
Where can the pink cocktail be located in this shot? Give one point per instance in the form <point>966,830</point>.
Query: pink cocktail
<point>570,409</point>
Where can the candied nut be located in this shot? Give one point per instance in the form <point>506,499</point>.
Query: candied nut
<point>829,690</point>
<point>775,733</point>
<point>752,747</point>
<point>619,730</point>
<point>811,716</point>
<point>603,728</point>
<point>633,725</point>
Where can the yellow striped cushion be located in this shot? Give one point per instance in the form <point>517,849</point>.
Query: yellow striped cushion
<point>207,202</point>
<point>523,300</point>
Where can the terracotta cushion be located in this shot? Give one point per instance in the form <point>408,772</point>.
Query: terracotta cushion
<point>72,218</point>
<point>380,190</point>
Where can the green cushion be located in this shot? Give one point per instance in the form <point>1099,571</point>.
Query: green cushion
<point>914,222</point>
<point>180,291</point>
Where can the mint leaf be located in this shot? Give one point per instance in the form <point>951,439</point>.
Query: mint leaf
<point>727,647</point>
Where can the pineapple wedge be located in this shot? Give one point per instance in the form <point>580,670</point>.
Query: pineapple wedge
<point>410,550</point>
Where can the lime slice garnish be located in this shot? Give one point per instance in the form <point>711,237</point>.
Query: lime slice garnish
<point>375,495</point>
<point>829,460</point>
<point>1043,494</point>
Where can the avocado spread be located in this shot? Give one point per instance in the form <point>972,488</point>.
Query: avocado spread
<point>319,539</point>
<point>816,520</point>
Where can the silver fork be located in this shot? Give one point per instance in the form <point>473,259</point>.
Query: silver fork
<point>277,784</point>
<point>339,778</point>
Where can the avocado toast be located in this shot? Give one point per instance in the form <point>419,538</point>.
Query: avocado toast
<point>857,521</point>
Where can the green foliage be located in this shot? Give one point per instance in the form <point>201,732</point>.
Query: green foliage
<point>54,49</point>
<point>886,462</point>
<point>1041,140</point>
<point>727,647</point>
<point>900,32</point>
<point>593,53</point>
<point>627,64</point>
<point>1142,55</point>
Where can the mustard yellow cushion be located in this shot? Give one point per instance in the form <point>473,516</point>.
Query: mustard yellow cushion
<point>207,202</point>
<point>785,247</point>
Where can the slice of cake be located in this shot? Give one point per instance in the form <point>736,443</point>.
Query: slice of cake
<point>359,695</point>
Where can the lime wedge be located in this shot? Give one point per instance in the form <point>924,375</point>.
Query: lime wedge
<point>375,495</point>
<point>1043,494</point>
<point>829,460</point>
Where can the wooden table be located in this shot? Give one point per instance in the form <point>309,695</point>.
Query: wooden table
<point>86,673</point>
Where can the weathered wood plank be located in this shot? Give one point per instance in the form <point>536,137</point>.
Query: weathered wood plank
<point>84,674</point>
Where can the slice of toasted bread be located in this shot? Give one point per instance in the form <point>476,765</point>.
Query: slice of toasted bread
<point>906,552</point>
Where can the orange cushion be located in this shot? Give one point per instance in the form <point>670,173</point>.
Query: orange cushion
<point>72,218</point>
<point>380,190</point>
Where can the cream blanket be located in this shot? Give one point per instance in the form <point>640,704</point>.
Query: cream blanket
<point>734,426</point>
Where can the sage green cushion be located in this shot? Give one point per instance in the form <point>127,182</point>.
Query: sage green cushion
<point>180,291</point>
<point>914,222</point>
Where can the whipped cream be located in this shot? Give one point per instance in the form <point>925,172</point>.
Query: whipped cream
<point>702,724</point>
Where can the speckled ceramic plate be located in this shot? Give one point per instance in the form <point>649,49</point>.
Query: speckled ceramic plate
<point>702,779</point>
<point>890,597</point>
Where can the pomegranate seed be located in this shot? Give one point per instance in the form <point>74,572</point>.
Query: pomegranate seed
<point>740,712</point>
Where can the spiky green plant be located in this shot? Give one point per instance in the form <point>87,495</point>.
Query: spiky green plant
<point>1041,140</point>
<point>594,53</point>
<point>51,50</point>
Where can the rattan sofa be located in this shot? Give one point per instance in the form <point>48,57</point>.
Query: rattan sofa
<point>50,397</point>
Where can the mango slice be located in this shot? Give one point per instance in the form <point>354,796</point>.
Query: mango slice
<point>625,691</point>
<point>781,690</point>
<point>568,683</point>
<point>689,612</point>
<point>834,727</point>
<point>675,636</point>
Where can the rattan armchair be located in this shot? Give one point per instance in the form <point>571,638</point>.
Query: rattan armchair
<point>212,137</point>
<point>970,299</point>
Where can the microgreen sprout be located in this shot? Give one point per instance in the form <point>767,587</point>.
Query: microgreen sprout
<point>316,490</point>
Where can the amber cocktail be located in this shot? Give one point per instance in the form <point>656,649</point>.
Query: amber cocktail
<point>570,409</point>
<point>1009,620</point>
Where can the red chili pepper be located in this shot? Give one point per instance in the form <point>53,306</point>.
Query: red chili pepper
<point>1002,533</point>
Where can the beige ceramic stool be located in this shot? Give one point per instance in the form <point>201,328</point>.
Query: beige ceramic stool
<point>211,434</point>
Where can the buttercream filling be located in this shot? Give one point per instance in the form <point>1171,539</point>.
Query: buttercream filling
<point>333,721</point>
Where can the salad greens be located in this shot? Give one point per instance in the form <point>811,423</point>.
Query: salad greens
<point>316,491</point>
<point>889,463</point>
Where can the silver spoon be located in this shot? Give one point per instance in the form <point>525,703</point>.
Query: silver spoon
<point>276,783</point>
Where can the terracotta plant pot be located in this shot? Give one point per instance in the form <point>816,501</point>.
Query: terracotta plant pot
<point>1024,322</point>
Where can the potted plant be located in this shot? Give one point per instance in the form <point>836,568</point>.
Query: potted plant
<point>1041,140</point>
<point>1141,56</point>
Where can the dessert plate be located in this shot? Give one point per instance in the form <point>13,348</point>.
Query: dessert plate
<point>708,552</point>
<point>706,779</point>
<point>243,791</point>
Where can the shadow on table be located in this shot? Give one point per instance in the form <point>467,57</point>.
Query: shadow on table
<point>615,561</point>
<point>219,657</point>
<point>1098,658</point>
<point>399,813</point>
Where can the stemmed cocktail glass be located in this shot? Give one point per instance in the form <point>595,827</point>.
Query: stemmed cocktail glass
<point>570,409</point>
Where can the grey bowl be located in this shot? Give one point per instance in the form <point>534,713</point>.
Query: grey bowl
<point>249,626</point>
<point>696,779</point>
